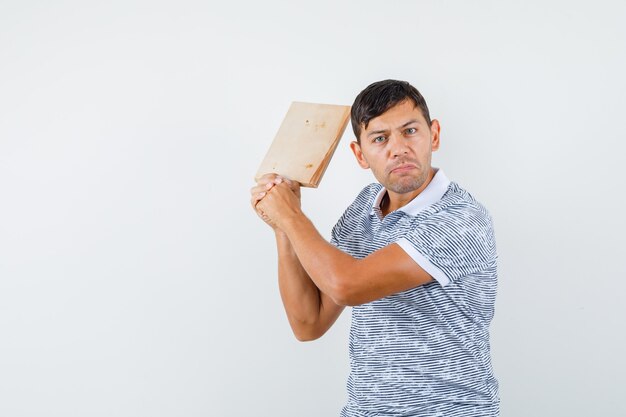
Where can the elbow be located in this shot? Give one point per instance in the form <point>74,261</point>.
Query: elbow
<point>305,337</point>
<point>347,301</point>
<point>306,330</point>
<point>306,334</point>
<point>343,288</point>
<point>343,293</point>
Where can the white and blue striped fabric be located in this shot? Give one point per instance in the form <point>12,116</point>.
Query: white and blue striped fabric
<point>424,351</point>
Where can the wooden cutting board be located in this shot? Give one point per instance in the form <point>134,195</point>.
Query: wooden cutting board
<point>305,142</point>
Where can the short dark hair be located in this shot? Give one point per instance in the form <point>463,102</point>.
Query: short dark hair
<point>379,97</point>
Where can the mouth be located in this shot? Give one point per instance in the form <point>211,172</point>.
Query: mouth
<point>400,169</point>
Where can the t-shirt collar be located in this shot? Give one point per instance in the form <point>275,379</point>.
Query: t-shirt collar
<point>430,195</point>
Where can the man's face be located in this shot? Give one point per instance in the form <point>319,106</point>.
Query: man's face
<point>397,146</point>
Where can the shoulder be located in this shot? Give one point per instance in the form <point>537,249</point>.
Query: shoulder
<point>365,199</point>
<point>458,215</point>
<point>360,207</point>
<point>459,204</point>
<point>369,193</point>
<point>455,233</point>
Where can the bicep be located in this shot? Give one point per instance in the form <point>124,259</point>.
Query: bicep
<point>387,271</point>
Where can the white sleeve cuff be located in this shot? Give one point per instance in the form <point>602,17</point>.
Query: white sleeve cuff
<point>421,260</point>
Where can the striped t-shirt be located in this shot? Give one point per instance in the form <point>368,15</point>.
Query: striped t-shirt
<point>424,351</point>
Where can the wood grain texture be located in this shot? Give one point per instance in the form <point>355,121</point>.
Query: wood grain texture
<point>306,142</point>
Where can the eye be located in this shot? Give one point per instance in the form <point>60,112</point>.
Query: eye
<point>411,131</point>
<point>378,139</point>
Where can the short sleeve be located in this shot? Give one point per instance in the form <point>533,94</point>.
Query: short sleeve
<point>354,213</point>
<point>334,234</point>
<point>453,243</point>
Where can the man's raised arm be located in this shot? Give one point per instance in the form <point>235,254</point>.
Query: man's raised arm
<point>346,280</point>
<point>310,312</point>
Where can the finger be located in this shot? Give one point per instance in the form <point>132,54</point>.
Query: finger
<point>294,185</point>
<point>280,179</point>
<point>259,191</point>
<point>284,186</point>
<point>256,198</point>
<point>267,178</point>
<point>259,207</point>
<point>261,188</point>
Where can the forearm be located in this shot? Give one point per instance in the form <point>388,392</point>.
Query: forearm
<point>326,265</point>
<point>341,279</point>
<point>300,296</point>
<point>310,313</point>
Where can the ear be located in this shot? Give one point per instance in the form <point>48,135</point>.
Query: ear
<point>435,130</point>
<point>358,153</point>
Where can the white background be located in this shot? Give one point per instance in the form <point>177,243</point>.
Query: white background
<point>136,281</point>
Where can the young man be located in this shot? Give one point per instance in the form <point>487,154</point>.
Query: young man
<point>414,255</point>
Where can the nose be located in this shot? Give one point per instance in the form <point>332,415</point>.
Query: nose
<point>397,145</point>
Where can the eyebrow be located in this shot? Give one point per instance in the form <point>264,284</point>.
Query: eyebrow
<point>410,122</point>
<point>377,132</point>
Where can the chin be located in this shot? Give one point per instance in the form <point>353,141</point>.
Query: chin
<point>405,185</point>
